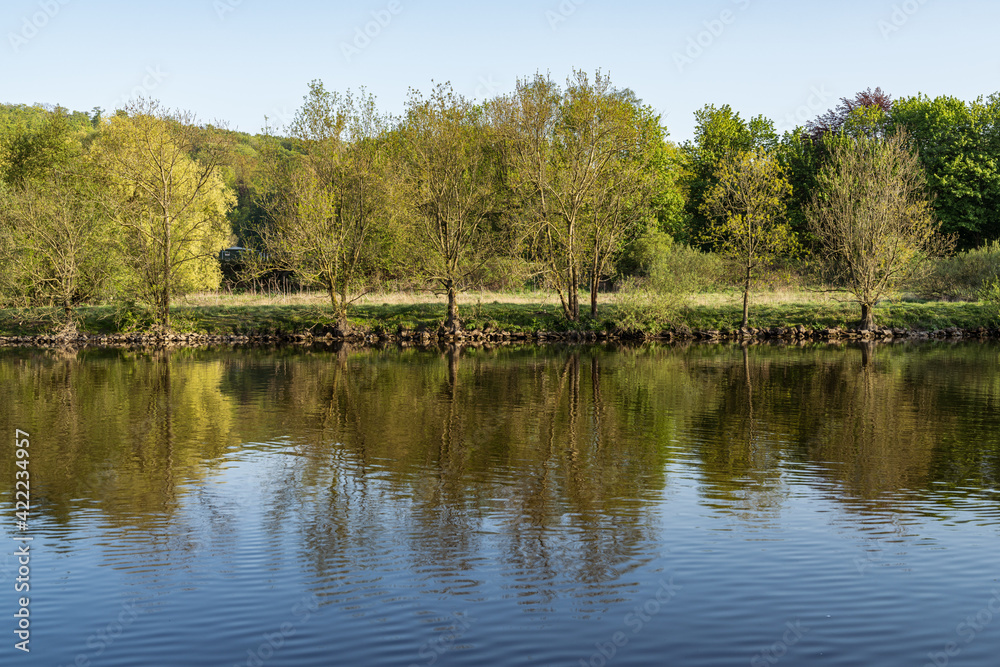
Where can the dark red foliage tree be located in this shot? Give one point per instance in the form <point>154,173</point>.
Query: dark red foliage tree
<point>833,120</point>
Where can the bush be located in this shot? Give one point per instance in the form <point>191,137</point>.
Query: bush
<point>681,270</point>
<point>963,276</point>
<point>990,296</point>
<point>669,274</point>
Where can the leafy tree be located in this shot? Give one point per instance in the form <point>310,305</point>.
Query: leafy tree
<point>34,152</point>
<point>720,134</point>
<point>451,167</point>
<point>867,111</point>
<point>167,196</point>
<point>803,151</point>
<point>329,197</point>
<point>583,164</point>
<point>873,218</point>
<point>748,207</point>
<point>620,207</point>
<point>55,241</point>
<point>959,146</point>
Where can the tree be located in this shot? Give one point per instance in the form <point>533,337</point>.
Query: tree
<point>959,147</point>
<point>748,206</point>
<point>451,166</point>
<point>33,152</point>
<point>328,197</point>
<point>582,163</point>
<point>621,206</point>
<point>167,196</point>
<point>867,111</point>
<point>56,241</point>
<point>719,134</point>
<point>872,217</point>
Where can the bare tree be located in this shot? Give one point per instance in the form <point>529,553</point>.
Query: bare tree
<point>873,218</point>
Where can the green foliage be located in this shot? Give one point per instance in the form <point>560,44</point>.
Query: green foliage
<point>165,191</point>
<point>326,202</point>
<point>720,134</point>
<point>670,273</point>
<point>679,270</point>
<point>959,146</point>
<point>667,201</point>
<point>989,294</point>
<point>962,276</point>
<point>748,206</point>
<point>56,242</point>
<point>801,158</point>
<point>590,170</point>
<point>450,167</point>
<point>873,218</point>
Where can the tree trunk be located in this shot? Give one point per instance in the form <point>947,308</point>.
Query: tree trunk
<point>339,311</point>
<point>594,282</point>
<point>574,295</point>
<point>164,314</point>
<point>746,300</point>
<point>164,307</point>
<point>867,317</point>
<point>453,323</point>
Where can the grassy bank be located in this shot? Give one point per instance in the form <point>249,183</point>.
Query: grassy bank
<point>222,314</point>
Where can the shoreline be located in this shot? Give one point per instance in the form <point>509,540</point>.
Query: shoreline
<point>423,337</point>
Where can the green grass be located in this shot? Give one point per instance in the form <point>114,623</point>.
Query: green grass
<point>929,315</point>
<point>517,315</point>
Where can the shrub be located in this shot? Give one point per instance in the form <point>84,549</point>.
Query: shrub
<point>963,276</point>
<point>670,273</point>
<point>990,296</point>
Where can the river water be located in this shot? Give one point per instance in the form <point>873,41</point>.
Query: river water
<point>704,505</point>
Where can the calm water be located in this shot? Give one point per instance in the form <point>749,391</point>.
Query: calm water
<point>659,506</point>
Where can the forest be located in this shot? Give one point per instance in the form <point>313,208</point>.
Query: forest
<point>573,188</point>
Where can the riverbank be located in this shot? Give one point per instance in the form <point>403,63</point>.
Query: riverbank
<point>426,338</point>
<point>502,321</point>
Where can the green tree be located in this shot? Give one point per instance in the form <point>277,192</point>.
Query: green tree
<point>873,218</point>
<point>32,152</point>
<point>719,134</point>
<point>583,164</point>
<point>55,241</point>
<point>747,205</point>
<point>959,146</point>
<point>166,194</point>
<point>451,165</point>
<point>803,151</point>
<point>329,195</point>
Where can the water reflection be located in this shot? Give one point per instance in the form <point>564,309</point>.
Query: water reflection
<point>578,433</point>
<point>562,480</point>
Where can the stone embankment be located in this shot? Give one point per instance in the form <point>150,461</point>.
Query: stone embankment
<point>426,336</point>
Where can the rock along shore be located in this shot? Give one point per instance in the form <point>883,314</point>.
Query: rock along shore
<point>425,336</point>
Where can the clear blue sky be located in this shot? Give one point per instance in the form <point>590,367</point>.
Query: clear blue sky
<point>242,60</point>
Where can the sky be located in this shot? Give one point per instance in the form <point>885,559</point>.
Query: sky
<point>249,62</point>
